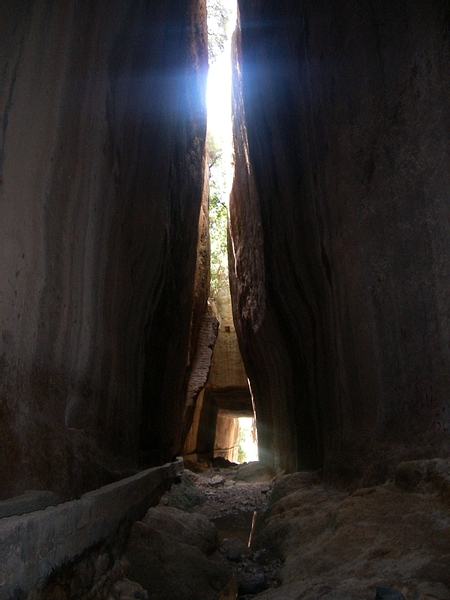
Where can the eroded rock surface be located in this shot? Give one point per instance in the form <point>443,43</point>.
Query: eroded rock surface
<point>168,554</point>
<point>339,243</point>
<point>336,545</point>
<point>101,184</point>
<point>308,539</point>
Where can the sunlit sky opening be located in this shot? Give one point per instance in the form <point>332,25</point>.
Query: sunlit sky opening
<point>218,96</point>
<point>248,441</point>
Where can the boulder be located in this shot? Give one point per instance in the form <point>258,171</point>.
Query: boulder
<point>187,528</point>
<point>252,583</point>
<point>234,549</point>
<point>287,484</point>
<point>431,591</point>
<point>425,475</point>
<point>125,589</point>
<point>216,481</point>
<point>167,555</point>
<point>184,494</point>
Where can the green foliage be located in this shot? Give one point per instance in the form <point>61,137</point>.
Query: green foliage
<point>246,439</point>
<point>218,216</point>
<point>218,17</point>
<point>214,152</point>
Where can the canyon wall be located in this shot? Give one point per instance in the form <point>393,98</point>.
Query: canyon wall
<point>340,238</point>
<point>101,184</point>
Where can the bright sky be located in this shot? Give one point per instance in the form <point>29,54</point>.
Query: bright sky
<point>218,94</point>
<point>218,97</point>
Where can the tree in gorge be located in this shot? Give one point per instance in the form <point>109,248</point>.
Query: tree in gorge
<point>218,217</point>
<point>218,17</point>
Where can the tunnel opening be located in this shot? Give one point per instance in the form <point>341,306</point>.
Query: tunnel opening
<point>236,438</point>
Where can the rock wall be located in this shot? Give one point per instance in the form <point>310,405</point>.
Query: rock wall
<point>227,369</point>
<point>199,373</point>
<point>340,244</point>
<point>101,179</point>
<point>226,441</point>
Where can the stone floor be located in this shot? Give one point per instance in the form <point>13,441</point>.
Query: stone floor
<point>311,541</point>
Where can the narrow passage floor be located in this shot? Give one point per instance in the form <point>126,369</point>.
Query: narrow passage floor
<point>386,542</point>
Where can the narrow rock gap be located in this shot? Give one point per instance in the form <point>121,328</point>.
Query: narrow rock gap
<point>339,228</point>
<point>224,420</point>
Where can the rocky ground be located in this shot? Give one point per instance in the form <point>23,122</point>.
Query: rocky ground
<point>235,499</point>
<point>225,491</point>
<point>389,542</point>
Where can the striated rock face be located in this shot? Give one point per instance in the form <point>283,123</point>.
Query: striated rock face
<point>101,178</point>
<point>200,368</point>
<point>340,245</point>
